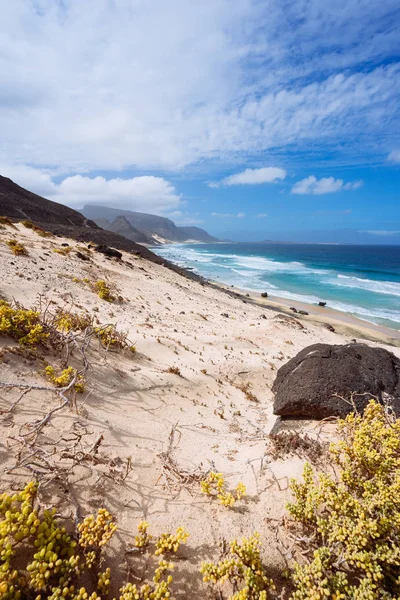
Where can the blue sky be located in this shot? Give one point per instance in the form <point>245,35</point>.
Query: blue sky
<point>242,117</point>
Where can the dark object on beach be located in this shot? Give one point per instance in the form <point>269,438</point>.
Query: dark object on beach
<point>329,326</point>
<point>264,294</point>
<point>225,315</point>
<point>292,308</point>
<point>111,252</point>
<point>321,303</point>
<point>302,312</point>
<point>309,384</point>
<point>263,317</point>
<point>65,244</point>
<point>82,256</point>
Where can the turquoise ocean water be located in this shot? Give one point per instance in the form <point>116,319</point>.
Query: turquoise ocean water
<point>361,280</point>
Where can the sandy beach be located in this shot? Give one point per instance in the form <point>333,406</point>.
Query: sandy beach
<point>342,321</point>
<point>178,405</point>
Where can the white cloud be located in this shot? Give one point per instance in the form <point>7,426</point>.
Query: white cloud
<point>184,219</point>
<point>353,185</point>
<point>253,177</point>
<point>239,215</point>
<point>34,180</point>
<point>146,193</point>
<point>326,185</point>
<point>381,232</point>
<point>100,85</point>
<point>394,156</point>
<point>262,215</point>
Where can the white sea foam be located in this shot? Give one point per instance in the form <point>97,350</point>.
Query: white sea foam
<point>248,272</point>
<point>390,288</point>
<point>242,273</point>
<point>253,263</point>
<point>359,311</point>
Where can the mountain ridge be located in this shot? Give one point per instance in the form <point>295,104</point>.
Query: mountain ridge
<point>20,204</point>
<point>148,224</point>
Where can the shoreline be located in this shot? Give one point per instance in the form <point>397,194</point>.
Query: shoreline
<point>320,315</point>
<point>341,321</point>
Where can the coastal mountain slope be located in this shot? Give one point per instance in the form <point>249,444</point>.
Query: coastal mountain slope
<point>151,225</point>
<point>19,204</point>
<point>198,234</point>
<point>122,226</point>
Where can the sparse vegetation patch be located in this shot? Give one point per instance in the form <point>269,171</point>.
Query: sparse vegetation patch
<point>214,485</point>
<point>42,560</point>
<point>65,378</point>
<point>23,325</point>
<point>349,525</point>
<point>17,248</point>
<point>36,229</point>
<point>103,291</point>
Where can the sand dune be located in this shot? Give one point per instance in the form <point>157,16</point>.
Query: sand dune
<point>170,427</point>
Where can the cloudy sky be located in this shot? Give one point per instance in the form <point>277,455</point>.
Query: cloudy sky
<point>237,115</point>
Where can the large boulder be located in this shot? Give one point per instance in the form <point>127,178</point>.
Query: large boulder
<point>308,385</point>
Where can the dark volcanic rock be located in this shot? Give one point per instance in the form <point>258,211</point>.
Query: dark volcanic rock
<point>82,256</point>
<point>111,252</point>
<point>307,385</point>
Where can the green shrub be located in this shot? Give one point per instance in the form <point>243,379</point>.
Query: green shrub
<point>66,321</point>
<point>22,325</point>
<point>65,378</point>
<point>103,291</point>
<point>42,560</point>
<point>351,522</point>
<point>243,569</point>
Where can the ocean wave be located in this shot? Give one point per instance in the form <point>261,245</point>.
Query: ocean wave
<point>390,288</point>
<point>250,272</point>
<point>242,273</point>
<point>358,311</point>
<point>253,263</point>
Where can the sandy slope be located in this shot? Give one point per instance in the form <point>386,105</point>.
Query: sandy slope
<point>135,404</point>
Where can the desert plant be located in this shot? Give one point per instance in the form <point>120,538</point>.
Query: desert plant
<point>245,388</point>
<point>22,325</point>
<point>174,371</point>
<point>41,560</point>
<point>17,248</point>
<point>65,378</point>
<point>36,229</point>
<point>7,221</point>
<point>103,291</point>
<point>63,251</point>
<point>285,443</point>
<point>350,524</point>
<point>111,338</point>
<point>67,321</point>
<point>214,485</point>
<point>142,539</point>
<point>244,570</point>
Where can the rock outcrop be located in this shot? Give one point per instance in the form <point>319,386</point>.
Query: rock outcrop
<point>309,384</point>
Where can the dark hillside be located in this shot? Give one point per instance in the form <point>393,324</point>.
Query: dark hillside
<point>19,204</point>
